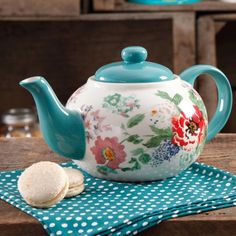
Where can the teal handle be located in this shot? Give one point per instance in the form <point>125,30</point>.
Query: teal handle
<point>225,96</point>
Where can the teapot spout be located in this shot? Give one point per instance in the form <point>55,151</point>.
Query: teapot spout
<point>63,129</point>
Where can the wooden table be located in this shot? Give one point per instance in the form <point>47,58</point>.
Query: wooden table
<point>20,153</point>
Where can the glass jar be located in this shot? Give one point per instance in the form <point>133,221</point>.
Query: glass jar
<point>20,122</point>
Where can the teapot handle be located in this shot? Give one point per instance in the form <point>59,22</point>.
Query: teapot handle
<point>225,96</point>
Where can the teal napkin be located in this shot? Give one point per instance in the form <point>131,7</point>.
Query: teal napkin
<point>106,207</point>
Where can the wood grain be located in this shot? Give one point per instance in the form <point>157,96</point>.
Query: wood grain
<point>20,153</point>
<point>216,46</point>
<point>61,51</point>
<point>39,8</point>
<point>207,55</point>
<point>183,40</point>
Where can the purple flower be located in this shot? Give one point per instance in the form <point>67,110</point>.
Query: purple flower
<point>164,152</point>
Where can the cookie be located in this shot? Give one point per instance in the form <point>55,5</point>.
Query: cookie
<point>43,184</point>
<point>76,182</point>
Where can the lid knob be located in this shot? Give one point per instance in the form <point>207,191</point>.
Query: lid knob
<point>134,54</point>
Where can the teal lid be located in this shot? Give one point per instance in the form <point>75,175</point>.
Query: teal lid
<point>133,69</point>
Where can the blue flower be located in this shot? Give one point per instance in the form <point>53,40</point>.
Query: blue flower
<point>164,152</point>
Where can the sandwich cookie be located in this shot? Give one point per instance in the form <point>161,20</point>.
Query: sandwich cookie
<point>43,184</point>
<point>76,182</point>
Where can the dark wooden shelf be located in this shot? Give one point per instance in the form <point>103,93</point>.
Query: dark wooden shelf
<point>71,9</point>
<point>93,17</point>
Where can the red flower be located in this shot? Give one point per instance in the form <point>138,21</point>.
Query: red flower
<point>109,151</point>
<point>188,132</point>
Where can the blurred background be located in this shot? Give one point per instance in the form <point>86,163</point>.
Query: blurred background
<point>66,41</point>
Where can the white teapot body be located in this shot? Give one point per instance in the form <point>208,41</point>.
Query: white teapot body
<point>140,132</point>
<point>133,120</point>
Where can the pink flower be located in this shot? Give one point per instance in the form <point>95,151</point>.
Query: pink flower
<point>97,117</point>
<point>109,152</point>
<point>188,132</point>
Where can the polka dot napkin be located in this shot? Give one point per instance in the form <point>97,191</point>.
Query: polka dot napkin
<point>112,208</point>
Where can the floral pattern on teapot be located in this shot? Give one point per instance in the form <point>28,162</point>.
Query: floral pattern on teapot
<point>133,120</point>
<point>172,133</point>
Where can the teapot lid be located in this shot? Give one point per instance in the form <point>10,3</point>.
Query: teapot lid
<point>133,69</point>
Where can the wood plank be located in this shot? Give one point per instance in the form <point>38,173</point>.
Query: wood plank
<point>224,17</point>
<point>216,41</point>
<point>103,4</point>
<point>226,56</point>
<point>21,152</point>
<point>206,49</point>
<point>124,6</point>
<point>95,17</point>
<point>183,41</point>
<point>39,8</point>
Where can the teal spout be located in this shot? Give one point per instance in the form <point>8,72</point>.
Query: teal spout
<point>63,129</point>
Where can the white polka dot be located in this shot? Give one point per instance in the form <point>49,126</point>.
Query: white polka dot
<point>75,225</point>
<point>52,225</point>
<point>64,225</point>
<point>84,224</point>
<point>59,232</point>
<point>144,223</point>
<point>94,223</point>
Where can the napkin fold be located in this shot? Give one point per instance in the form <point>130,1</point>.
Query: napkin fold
<point>114,208</point>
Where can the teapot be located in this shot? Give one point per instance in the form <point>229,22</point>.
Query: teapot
<point>134,120</point>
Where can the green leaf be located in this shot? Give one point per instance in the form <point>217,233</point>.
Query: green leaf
<point>135,139</point>
<point>137,151</point>
<point>161,132</point>
<point>164,95</point>
<point>133,121</point>
<point>198,102</point>
<point>155,129</point>
<point>177,99</point>
<point>153,142</point>
<point>105,169</point>
<point>136,166</point>
<point>192,97</point>
<point>126,169</point>
<point>144,158</point>
<point>132,160</point>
